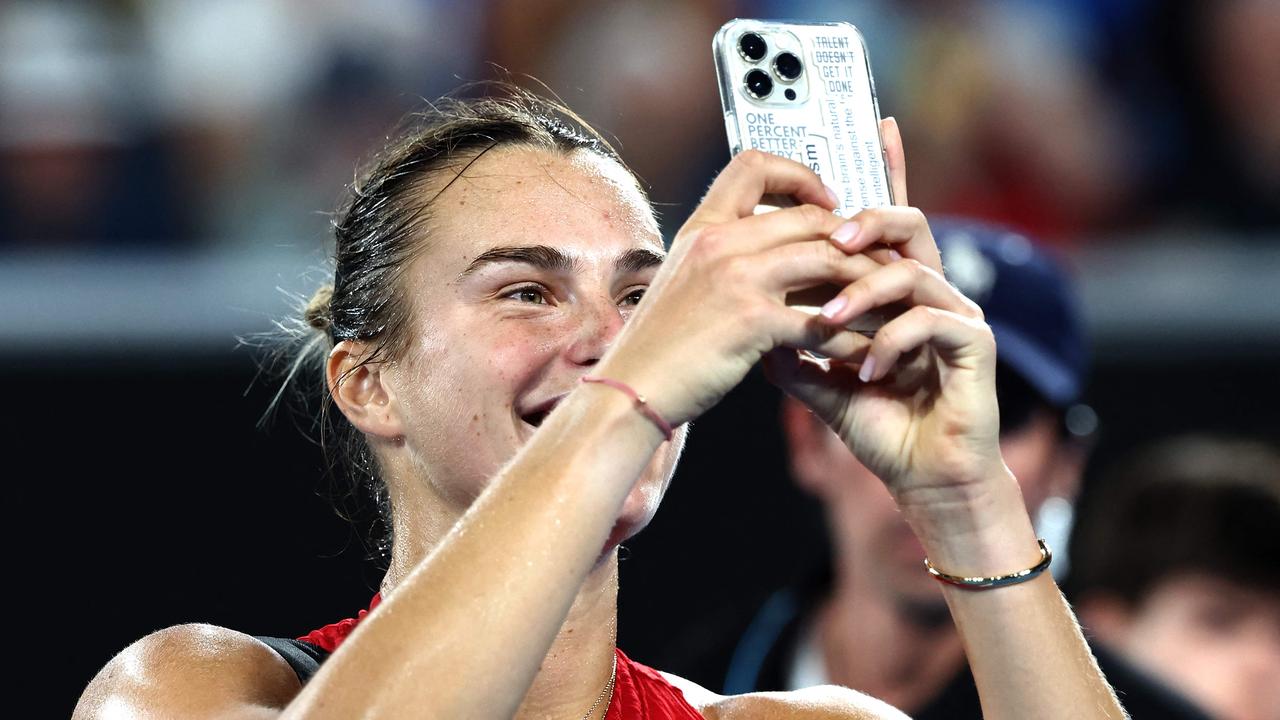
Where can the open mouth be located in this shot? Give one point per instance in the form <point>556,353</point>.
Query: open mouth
<point>535,418</point>
<point>539,412</point>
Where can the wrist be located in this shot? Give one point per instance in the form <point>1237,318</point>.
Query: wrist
<point>652,386</point>
<point>983,531</point>
<point>639,402</point>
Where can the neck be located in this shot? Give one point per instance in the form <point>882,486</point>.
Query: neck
<point>579,662</point>
<point>578,665</point>
<point>883,645</point>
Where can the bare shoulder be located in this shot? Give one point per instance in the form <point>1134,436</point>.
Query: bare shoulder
<point>696,695</point>
<point>191,671</point>
<point>825,702</point>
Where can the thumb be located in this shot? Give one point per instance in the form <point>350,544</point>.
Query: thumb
<point>822,385</point>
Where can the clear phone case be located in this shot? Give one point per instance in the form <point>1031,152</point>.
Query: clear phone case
<point>804,91</point>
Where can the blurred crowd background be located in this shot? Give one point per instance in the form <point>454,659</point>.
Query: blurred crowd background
<point>208,139</point>
<point>167,168</point>
<point>169,124</point>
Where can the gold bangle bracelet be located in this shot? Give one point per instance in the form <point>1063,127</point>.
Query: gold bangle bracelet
<point>986,583</point>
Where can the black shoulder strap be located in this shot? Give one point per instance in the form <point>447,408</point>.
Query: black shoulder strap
<point>302,656</point>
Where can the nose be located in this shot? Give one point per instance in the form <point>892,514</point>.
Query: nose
<point>598,323</point>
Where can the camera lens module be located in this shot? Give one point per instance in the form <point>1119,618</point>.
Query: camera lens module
<point>759,84</point>
<point>787,66</point>
<point>752,47</point>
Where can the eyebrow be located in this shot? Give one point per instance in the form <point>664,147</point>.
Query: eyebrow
<point>554,260</point>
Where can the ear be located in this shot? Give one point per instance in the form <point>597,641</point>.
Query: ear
<point>361,391</point>
<point>1067,470</point>
<point>807,443</point>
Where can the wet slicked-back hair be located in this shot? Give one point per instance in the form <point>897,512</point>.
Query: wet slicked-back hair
<point>378,231</point>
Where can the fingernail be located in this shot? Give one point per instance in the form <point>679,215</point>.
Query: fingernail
<point>835,199</point>
<point>868,368</point>
<point>845,233</point>
<point>894,254</point>
<point>833,307</point>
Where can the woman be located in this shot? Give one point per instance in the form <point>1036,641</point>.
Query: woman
<point>484,336</point>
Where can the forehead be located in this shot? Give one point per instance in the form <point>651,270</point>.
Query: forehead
<point>527,195</point>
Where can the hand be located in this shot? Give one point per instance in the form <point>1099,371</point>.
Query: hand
<point>917,403</point>
<point>718,303</point>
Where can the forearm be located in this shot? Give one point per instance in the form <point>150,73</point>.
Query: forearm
<point>1026,651</point>
<point>465,633</point>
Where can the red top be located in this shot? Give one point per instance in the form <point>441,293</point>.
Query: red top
<point>639,692</point>
<point>331,636</point>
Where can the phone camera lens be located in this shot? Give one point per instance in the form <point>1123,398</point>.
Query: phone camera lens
<point>759,84</point>
<point>752,47</point>
<point>787,66</point>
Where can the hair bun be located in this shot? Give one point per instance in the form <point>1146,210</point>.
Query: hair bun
<point>317,312</point>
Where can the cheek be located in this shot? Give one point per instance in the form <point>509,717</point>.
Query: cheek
<point>500,368</point>
<point>513,357</point>
<point>464,385</point>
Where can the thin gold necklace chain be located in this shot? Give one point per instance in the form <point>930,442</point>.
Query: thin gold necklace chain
<point>608,689</point>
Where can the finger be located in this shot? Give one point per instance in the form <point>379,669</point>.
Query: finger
<point>896,159</point>
<point>810,382</point>
<point>750,176</point>
<point>803,265</point>
<point>882,254</point>
<point>764,232</point>
<point>905,281</point>
<point>799,330</point>
<point>903,229</point>
<point>956,339</point>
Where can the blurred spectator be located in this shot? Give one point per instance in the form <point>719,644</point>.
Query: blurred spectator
<point>873,619</point>
<point>1177,566</point>
<point>271,102</point>
<point>164,121</point>
<point>1212,105</point>
<point>640,70</point>
<point>1003,112</point>
<point>79,161</point>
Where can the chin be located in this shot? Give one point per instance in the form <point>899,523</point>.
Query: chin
<point>923,606</point>
<point>637,511</point>
<point>646,495</point>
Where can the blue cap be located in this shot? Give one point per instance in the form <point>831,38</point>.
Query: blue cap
<point>1028,299</point>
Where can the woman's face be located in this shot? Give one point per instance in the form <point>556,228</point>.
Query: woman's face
<point>533,262</point>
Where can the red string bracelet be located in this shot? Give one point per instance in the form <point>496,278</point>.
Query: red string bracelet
<point>641,404</point>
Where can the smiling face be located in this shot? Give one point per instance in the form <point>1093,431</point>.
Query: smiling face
<point>532,265</point>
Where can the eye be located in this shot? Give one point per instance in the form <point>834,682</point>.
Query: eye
<point>535,294</point>
<point>633,297</point>
<point>1218,616</point>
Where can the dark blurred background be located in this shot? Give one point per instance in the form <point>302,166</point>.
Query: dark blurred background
<point>166,167</point>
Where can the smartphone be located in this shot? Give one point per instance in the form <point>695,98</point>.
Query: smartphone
<point>804,91</point>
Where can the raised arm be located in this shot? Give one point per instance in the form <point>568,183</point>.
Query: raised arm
<point>461,637</point>
<point>465,632</point>
<point>917,406</point>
